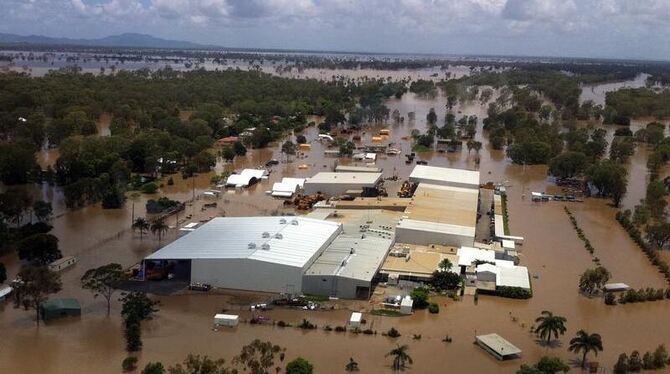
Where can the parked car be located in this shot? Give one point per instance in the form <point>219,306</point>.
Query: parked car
<point>272,162</point>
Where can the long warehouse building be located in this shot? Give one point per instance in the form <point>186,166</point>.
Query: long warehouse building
<point>268,254</point>
<point>333,184</point>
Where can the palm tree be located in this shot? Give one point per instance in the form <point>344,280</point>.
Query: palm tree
<point>445,265</point>
<point>141,224</point>
<point>549,325</point>
<point>352,365</point>
<point>585,343</point>
<point>158,227</point>
<point>400,357</point>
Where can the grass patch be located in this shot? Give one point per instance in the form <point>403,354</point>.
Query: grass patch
<point>421,148</point>
<point>386,313</point>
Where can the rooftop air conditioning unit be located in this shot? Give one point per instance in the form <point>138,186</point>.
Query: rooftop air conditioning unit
<point>266,234</point>
<point>252,245</point>
<point>265,247</point>
<point>282,221</point>
<point>279,236</point>
<point>294,222</point>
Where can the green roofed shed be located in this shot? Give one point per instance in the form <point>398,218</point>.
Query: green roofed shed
<point>57,308</point>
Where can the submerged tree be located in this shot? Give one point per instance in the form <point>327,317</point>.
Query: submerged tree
<point>142,225</point>
<point>351,366</point>
<point>35,286</point>
<point>103,281</point>
<point>159,228</point>
<point>299,366</point>
<point>585,343</point>
<point>550,325</point>
<point>195,364</point>
<point>400,357</point>
<point>257,357</point>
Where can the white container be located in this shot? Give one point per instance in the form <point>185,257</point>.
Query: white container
<point>406,305</point>
<point>355,320</point>
<point>229,320</point>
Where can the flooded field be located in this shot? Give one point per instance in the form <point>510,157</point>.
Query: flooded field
<point>552,252</point>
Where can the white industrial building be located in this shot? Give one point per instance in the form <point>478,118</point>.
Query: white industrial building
<point>439,214</point>
<point>268,254</point>
<point>333,184</point>
<point>445,176</point>
<point>287,187</point>
<point>246,178</point>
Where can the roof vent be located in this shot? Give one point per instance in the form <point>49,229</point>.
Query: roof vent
<point>266,234</point>
<point>265,247</point>
<point>252,245</point>
<point>282,221</point>
<point>294,222</point>
<point>344,263</point>
<point>279,236</point>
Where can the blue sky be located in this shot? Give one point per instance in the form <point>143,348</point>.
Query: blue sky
<point>588,28</point>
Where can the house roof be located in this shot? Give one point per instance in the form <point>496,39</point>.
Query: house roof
<point>291,241</point>
<point>468,255</point>
<point>498,344</point>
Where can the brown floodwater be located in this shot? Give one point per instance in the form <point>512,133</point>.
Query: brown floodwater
<point>551,250</point>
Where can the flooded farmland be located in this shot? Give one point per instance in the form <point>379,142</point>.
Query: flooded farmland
<point>551,250</point>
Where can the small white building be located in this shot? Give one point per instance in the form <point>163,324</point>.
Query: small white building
<point>355,320</point>
<point>406,305</point>
<point>333,184</point>
<point>228,320</point>
<point>62,263</point>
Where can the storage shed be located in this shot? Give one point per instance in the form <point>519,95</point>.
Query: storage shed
<point>355,320</point>
<point>58,308</point>
<point>406,305</point>
<point>228,320</point>
<point>497,346</point>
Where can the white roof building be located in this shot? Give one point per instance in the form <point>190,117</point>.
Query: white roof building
<point>287,187</point>
<point>267,254</point>
<point>246,177</point>
<point>333,184</point>
<point>468,255</point>
<point>445,176</point>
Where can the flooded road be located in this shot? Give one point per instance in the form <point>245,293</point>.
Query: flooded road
<point>552,252</point>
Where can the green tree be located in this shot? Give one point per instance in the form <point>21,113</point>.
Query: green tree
<point>584,342</point>
<point>351,366</point>
<point>39,249</point>
<point>159,228</point>
<point>257,357</point>
<point>568,164</point>
<point>635,362</point>
<point>420,297</point>
<point>137,306</point>
<point>103,281</point>
<point>195,364</point>
<point>42,210</point>
<point>141,225</point>
<point>549,325</point>
<point>655,198</point>
<point>610,178</point>
<point>446,280</point>
<point>659,234</point>
<point>552,365</point>
<point>621,366</point>
<point>593,280</point>
<point>228,153</point>
<point>660,357</point>
<point>289,149</point>
<point>239,148</point>
<point>133,335</point>
<point>261,137</point>
<point>17,162</point>
<point>622,148</point>
<point>37,283</point>
<point>299,366</point>
<point>154,368</point>
<point>431,117</point>
<point>400,357</point>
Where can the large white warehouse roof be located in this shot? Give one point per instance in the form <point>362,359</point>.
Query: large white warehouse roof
<point>445,176</point>
<point>345,178</point>
<point>291,241</point>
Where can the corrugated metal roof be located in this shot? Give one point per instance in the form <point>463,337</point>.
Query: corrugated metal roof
<point>498,344</point>
<point>244,178</point>
<point>356,169</point>
<point>515,276</point>
<point>424,173</point>
<point>338,259</point>
<point>444,228</point>
<point>353,178</point>
<point>468,255</point>
<point>230,237</point>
